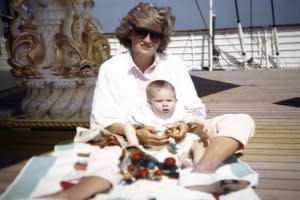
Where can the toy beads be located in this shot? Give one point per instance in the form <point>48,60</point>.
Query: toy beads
<point>143,167</point>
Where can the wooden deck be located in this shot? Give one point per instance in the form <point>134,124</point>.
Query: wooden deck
<point>272,97</point>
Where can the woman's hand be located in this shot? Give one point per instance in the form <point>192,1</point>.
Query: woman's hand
<point>199,129</point>
<point>177,131</point>
<point>147,135</point>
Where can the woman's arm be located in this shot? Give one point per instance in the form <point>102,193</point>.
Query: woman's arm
<point>146,135</point>
<point>185,88</point>
<point>117,128</point>
<point>107,102</point>
<point>85,188</point>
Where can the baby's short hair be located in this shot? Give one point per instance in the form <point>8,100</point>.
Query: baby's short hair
<point>156,85</point>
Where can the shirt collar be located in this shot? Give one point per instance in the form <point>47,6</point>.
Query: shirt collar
<point>132,65</point>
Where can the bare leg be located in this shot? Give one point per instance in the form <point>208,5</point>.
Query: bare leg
<point>208,159</point>
<point>87,186</point>
<point>216,152</point>
<point>198,150</point>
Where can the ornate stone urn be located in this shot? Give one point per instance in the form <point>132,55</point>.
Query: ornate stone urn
<point>55,50</point>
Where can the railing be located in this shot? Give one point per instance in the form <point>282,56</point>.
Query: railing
<point>192,47</point>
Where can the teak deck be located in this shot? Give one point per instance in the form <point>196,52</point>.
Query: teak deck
<point>271,97</point>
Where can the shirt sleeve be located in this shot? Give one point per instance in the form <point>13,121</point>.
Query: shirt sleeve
<point>105,106</point>
<point>185,89</point>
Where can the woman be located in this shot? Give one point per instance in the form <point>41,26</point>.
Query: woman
<point>145,32</point>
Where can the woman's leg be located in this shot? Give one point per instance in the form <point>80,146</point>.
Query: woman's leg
<point>232,133</point>
<point>216,152</point>
<point>85,188</point>
<point>197,152</point>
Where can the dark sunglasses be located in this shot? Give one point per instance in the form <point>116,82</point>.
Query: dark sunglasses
<point>143,32</point>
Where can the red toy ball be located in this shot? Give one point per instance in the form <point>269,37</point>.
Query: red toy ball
<point>142,173</point>
<point>136,155</point>
<point>131,167</point>
<point>170,161</point>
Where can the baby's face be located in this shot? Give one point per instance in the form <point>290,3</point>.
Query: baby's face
<point>163,103</point>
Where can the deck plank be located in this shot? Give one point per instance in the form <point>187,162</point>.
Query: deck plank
<point>278,194</point>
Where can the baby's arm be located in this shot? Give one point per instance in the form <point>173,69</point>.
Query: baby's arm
<point>130,134</point>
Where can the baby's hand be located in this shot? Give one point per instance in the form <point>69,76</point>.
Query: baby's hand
<point>177,131</point>
<point>172,132</point>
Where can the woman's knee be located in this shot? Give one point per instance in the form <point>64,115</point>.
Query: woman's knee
<point>247,119</point>
<point>247,125</point>
<point>238,126</point>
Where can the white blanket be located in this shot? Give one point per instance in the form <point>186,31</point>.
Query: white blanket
<point>42,175</point>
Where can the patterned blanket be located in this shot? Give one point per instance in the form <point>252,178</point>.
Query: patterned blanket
<point>42,175</point>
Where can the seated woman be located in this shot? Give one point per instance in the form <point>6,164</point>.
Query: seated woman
<point>145,32</point>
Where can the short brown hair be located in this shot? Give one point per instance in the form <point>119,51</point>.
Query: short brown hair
<point>145,14</point>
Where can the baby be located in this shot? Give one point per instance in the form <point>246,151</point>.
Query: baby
<point>162,110</point>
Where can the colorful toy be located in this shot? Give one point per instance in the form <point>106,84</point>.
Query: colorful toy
<point>172,146</point>
<point>142,166</point>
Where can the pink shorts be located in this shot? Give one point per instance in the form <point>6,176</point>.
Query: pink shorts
<point>238,126</point>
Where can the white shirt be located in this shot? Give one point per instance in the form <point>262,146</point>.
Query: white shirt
<point>144,115</point>
<point>121,87</point>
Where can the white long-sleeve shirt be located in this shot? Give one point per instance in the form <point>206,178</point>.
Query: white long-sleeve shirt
<point>144,115</point>
<point>121,87</point>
